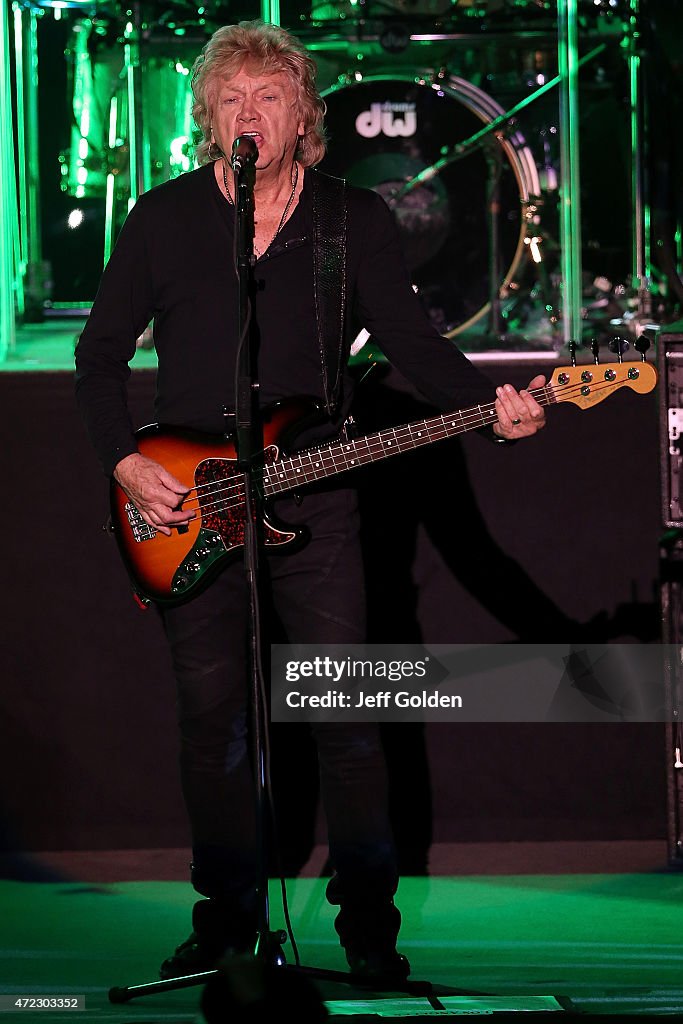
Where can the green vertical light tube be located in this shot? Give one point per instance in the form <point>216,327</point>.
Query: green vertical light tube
<point>270,11</point>
<point>8,194</point>
<point>109,225</point>
<point>637,265</point>
<point>130,55</point>
<point>35,243</point>
<point>144,142</point>
<point>570,186</point>
<point>136,137</point>
<point>18,13</point>
<point>26,92</point>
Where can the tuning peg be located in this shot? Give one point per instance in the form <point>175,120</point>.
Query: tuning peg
<point>595,349</point>
<point>572,352</point>
<point>619,346</point>
<point>642,343</point>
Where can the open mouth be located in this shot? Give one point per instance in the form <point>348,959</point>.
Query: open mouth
<point>256,136</point>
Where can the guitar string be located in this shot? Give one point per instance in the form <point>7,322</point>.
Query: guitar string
<point>216,486</point>
<point>235,490</point>
<point>465,415</point>
<point>232,495</point>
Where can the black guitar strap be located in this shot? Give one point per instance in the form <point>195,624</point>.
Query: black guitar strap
<point>329,280</point>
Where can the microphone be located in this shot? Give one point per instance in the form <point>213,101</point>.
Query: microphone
<point>244,153</point>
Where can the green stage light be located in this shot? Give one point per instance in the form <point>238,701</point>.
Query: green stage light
<point>10,281</point>
<point>570,186</point>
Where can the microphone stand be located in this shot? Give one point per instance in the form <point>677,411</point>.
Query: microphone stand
<point>248,446</point>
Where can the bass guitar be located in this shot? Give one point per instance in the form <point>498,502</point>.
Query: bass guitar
<point>172,569</point>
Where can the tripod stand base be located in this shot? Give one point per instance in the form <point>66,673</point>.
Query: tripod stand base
<point>275,964</point>
<point>124,995</point>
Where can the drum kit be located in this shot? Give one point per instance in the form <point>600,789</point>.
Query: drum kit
<point>445,107</point>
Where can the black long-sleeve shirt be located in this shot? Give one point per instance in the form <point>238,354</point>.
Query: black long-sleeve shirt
<point>173,263</point>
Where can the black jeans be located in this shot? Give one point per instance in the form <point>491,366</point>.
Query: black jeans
<point>318,596</point>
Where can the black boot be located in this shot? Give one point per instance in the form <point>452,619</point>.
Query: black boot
<point>218,930</point>
<point>368,927</point>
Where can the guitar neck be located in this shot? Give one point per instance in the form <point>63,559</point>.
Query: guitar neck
<point>318,463</point>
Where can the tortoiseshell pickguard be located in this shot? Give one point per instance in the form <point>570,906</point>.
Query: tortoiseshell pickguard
<point>221,500</point>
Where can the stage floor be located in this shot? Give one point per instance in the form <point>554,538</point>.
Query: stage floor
<point>594,942</point>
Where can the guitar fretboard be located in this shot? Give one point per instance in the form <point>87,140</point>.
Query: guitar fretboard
<point>317,463</point>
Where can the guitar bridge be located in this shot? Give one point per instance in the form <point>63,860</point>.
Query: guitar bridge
<point>140,529</point>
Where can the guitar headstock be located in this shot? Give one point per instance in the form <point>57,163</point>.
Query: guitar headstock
<point>587,385</point>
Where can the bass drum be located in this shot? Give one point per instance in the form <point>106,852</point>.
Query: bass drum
<point>385,129</point>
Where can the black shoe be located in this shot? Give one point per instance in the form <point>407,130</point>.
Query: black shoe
<point>218,932</point>
<point>377,966</point>
<point>368,927</point>
<point>189,958</point>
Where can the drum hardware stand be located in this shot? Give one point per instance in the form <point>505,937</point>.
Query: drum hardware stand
<point>494,167</point>
<point>493,154</point>
<point>497,327</point>
<point>502,122</point>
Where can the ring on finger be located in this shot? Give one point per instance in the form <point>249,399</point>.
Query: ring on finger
<point>516,422</point>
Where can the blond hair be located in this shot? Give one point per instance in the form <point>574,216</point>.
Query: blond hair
<point>267,49</point>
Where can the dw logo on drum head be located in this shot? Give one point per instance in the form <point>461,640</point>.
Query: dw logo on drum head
<point>382,119</point>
